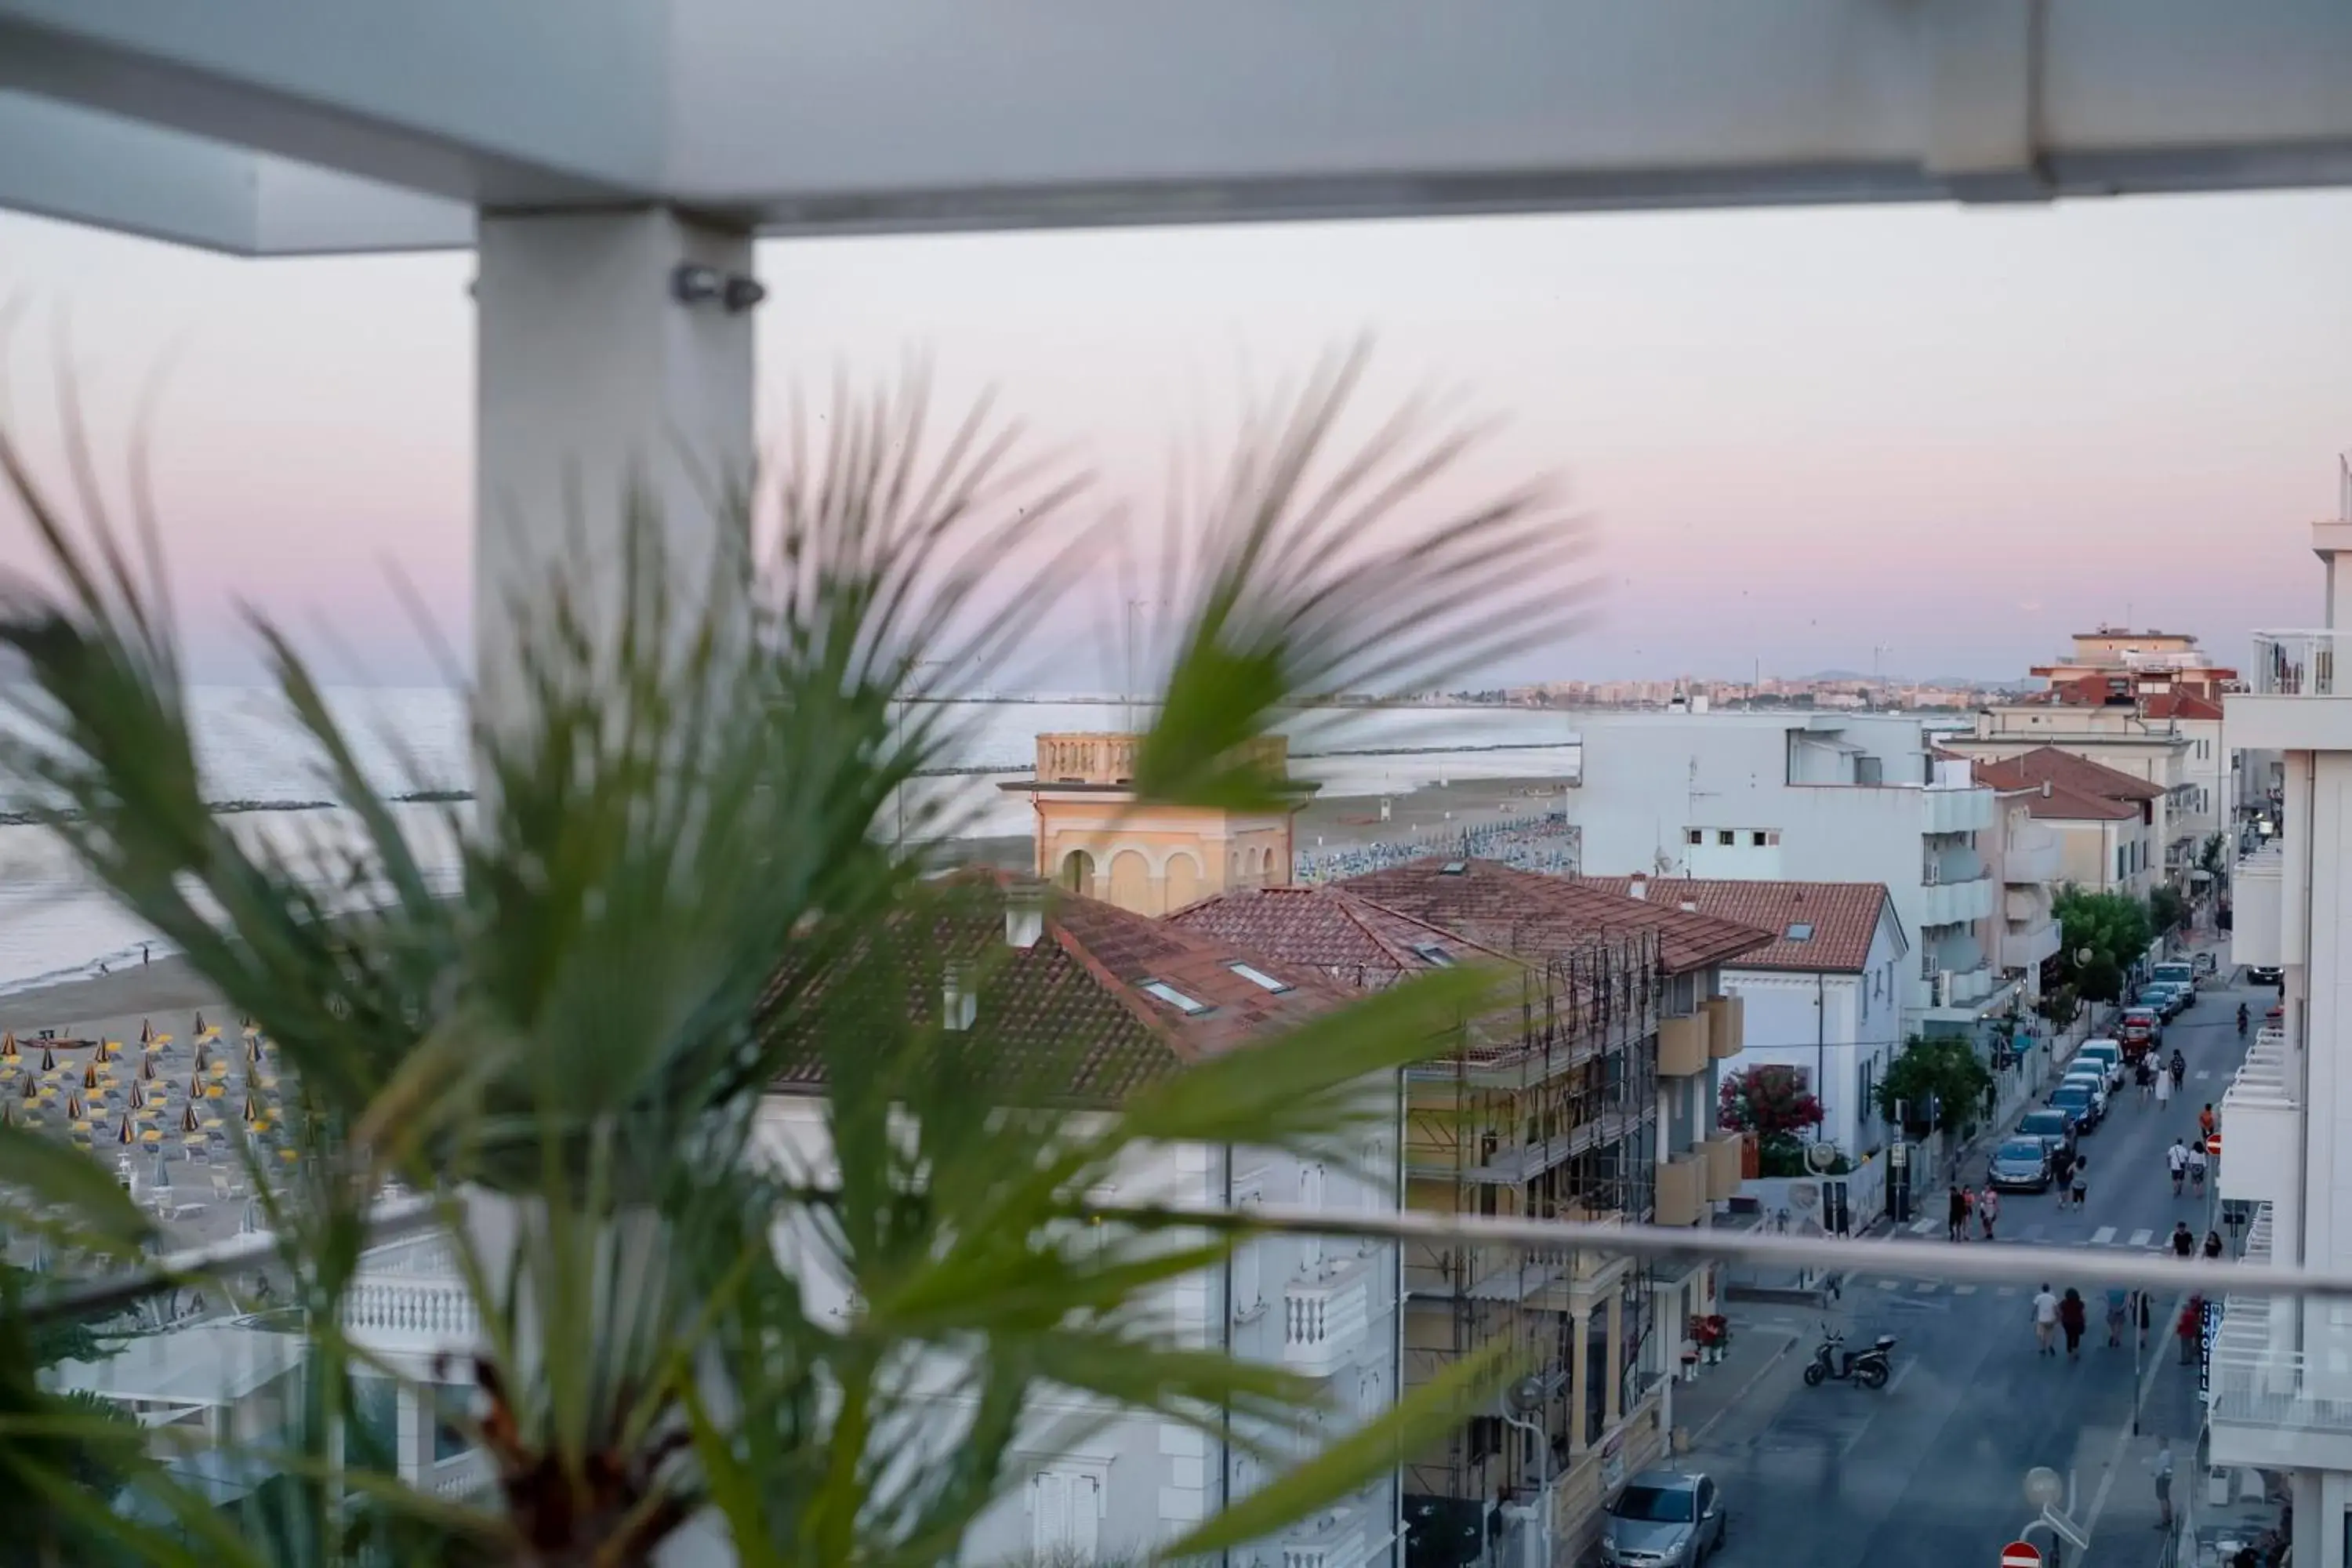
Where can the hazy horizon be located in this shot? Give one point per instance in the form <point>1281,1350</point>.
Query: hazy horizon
<point>1958,435</point>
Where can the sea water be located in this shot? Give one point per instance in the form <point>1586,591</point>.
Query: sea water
<point>55,925</point>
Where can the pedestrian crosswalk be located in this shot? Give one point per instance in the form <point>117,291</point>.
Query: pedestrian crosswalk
<point>2141,1239</point>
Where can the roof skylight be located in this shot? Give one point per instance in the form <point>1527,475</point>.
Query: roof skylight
<point>1259,978</point>
<point>1430,952</point>
<point>1160,990</point>
<point>1801,932</point>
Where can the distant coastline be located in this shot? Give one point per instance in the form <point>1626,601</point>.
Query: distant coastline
<point>239,807</point>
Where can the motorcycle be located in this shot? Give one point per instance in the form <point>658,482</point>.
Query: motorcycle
<point>1832,1360</point>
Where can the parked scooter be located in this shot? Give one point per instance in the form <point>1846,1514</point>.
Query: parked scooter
<point>1833,1360</point>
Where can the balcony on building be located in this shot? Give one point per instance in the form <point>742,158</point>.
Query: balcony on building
<point>2261,1125</point>
<point>2257,908</point>
<point>408,1303</point>
<point>1727,1026</point>
<point>1957,889</point>
<point>2299,690</point>
<point>2280,1377</point>
<point>1682,1044</point>
<point>1960,975</point>
<point>1724,1152</point>
<point>1953,801</point>
<point>1682,1189</point>
<point>1325,1319</point>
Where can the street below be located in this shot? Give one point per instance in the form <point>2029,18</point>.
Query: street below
<point>1930,1471</point>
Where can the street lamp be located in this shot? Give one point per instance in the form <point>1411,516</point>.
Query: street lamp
<point>1523,1399</point>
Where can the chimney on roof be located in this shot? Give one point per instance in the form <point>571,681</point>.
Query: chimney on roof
<point>1024,916</point>
<point>2045,789</point>
<point>1638,886</point>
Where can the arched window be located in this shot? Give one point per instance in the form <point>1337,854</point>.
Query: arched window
<point>1078,871</point>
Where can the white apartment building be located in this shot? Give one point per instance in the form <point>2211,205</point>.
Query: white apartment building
<point>2103,821</point>
<point>2024,855</point>
<point>2280,1380</point>
<point>1810,797</point>
<point>2183,755</point>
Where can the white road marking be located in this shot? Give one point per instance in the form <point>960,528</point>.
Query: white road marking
<point>1964,1289</point>
<point>1890,1284</point>
<point>2202,1072</point>
<point>2004,1291</point>
<point>2103,1235</point>
<point>1923,1226</point>
<point>2140,1238</point>
<point>1924,1286</point>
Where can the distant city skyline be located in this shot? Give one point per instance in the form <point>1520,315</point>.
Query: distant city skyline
<point>1956,436</point>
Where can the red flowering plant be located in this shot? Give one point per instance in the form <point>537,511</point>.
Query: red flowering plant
<point>1773,1104</point>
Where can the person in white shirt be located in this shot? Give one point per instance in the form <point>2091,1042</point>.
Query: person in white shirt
<point>2176,1159</point>
<point>2045,1320</point>
<point>2163,1088</point>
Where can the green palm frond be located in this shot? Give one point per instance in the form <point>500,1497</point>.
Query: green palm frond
<point>677,888</point>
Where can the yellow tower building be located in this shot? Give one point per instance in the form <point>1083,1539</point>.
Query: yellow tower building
<point>1094,837</point>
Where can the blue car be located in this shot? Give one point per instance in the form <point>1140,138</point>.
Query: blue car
<point>2078,1103</point>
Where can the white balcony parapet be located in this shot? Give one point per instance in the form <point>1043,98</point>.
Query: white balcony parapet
<point>2032,857</point>
<point>1323,1321</point>
<point>2298,664</point>
<point>437,1311</point>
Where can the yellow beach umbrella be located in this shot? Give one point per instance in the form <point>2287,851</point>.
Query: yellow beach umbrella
<point>150,1136</point>
<point>215,1091</point>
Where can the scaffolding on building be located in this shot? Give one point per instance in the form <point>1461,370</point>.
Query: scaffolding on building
<point>1553,1114</point>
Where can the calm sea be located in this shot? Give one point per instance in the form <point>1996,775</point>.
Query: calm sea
<point>55,926</point>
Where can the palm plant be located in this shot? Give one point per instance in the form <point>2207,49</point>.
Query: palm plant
<point>678,885</point>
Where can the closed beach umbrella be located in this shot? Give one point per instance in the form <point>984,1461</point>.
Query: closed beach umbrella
<point>147,1068</point>
<point>48,1058</point>
<point>137,1100</point>
<point>32,1087</point>
<point>73,1108</point>
<point>250,1114</point>
<point>188,1118</point>
<point>123,1134</point>
<point>200,1055</point>
<point>89,1075</point>
<point>195,1084</point>
<point>8,1046</point>
<point>146,1031</point>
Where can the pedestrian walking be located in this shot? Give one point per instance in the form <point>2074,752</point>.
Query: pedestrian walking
<point>1955,1208</point>
<point>2080,1189</point>
<point>2205,1121</point>
<point>2146,1075</point>
<point>2045,1320</point>
<point>2197,1170</point>
<point>2184,1243</point>
<point>2162,1466</point>
<point>2142,1315</point>
<point>2118,1304</point>
<point>2072,1318</point>
<point>2163,1089</point>
<point>1988,1209</point>
<point>2214,1244</point>
<point>2192,1321</point>
<point>2176,1159</point>
<point>2062,1171</point>
<point>142,956</point>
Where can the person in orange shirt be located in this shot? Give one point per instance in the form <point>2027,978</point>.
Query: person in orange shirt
<point>2205,1121</point>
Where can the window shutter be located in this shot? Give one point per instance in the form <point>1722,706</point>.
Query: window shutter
<point>1310,1196</point>
<point>1049,1512</point>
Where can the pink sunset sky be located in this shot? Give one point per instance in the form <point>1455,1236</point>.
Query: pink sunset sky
<point>1959,435</point>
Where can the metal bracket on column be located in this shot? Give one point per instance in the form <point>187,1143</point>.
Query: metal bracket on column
<point>691,284</point>
<point>1984,69</point>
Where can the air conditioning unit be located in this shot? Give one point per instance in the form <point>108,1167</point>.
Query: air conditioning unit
<point>1943,988</point>
<point>1934,874</point>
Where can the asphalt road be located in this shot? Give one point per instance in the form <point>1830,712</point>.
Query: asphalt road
<point>1930,1471</point>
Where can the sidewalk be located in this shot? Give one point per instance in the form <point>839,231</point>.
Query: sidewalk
<point>1754,1351</point>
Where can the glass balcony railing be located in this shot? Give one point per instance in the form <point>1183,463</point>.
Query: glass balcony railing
<point>2295,663</point>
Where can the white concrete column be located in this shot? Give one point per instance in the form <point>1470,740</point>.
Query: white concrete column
<point>1579,1347</point>
<point>592,378</point>
<point>1612,1398</point>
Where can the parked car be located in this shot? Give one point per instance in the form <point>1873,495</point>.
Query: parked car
<point>2053,1126</point>
<point>2106,1070</point>
<point>2165,1001</point>
<point>1672,1519</point>
<point>2177,972</point>
<point>2082,1100</point>
<point>2107,1052</point>
<point>2141,1026</point>
<point>2021,1165</point>
<point>2093,1079</point>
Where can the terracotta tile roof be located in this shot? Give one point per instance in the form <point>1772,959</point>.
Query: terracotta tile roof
<point>1330,928</point>
<point>1533,913</point>
<point>2048,764</point>
<point>2057,801</point>
<point>1839,918</point>
<point>1075,999</point>
<point>2179,705</point>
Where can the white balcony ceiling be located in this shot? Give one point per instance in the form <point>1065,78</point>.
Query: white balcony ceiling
<point>279,126</point>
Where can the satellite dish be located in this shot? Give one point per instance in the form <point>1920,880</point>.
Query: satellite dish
<point>1820,1157</point>
<point>1525,1396</point>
